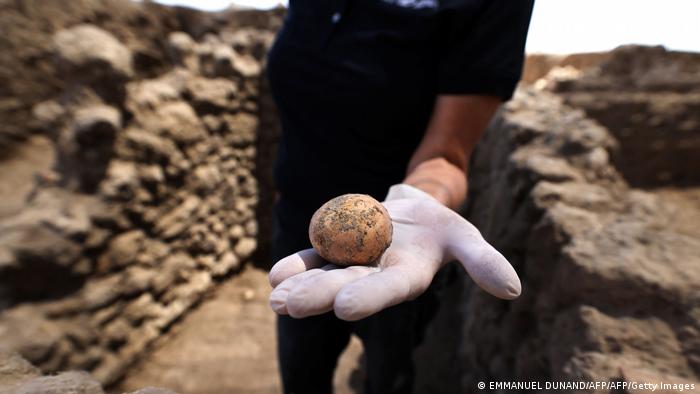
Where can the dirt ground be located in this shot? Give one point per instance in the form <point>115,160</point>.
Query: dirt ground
<point>228,346</point>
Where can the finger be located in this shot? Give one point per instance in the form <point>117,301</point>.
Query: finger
<point>380,290</point>
<point>294,264</point>
<point>315,295</point>
<point>278,297</point>
<point>488,268</point>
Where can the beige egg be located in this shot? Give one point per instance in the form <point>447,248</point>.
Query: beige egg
<point>352,229</point>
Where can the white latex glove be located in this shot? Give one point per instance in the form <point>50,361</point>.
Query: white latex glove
<point>426,236</point>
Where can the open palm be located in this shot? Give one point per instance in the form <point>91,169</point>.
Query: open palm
<point>426,235</point>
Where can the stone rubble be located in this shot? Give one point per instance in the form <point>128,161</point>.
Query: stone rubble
<point>611,287</point>
<point>649,99</point>
<point>587,183</point>
<point>18,376</point>
<point>152,201</point>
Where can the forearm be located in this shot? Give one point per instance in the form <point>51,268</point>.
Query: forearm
<point>439,165</point>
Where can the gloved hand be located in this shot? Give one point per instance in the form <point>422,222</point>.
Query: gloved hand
<point>426,236</point>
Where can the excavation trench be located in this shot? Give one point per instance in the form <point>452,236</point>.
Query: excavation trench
<point>592,195</point>
<point>148,253</point>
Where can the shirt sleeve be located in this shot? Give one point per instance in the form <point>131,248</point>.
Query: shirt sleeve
<point>484,52</point>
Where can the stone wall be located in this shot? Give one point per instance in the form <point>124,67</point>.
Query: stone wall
<point>152,201</point>
<point>27,73</point>
<point>164,134</point>
<point>649,99</point>
<point>27,69</point>
<point>610,281</point>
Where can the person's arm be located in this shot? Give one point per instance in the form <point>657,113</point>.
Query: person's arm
<point>479,67</point>
<point>439,166</point>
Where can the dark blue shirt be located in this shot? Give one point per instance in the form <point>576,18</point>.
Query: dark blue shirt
<point>355,82</point>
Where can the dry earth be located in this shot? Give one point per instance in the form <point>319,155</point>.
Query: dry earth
<point>133,257</point>
<point>228,344</point>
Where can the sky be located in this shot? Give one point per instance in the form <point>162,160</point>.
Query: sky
<point>571,26</point>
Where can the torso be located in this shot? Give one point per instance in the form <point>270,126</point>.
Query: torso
<point>354,81</point>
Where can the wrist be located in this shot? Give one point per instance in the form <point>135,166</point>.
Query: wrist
<point>434,188</point>
<point>442,180</point>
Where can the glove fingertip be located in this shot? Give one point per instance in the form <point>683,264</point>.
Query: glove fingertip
<point>491,271</point>
<point>511,291</point>
<point>346,308</point>
<point>278,303</point>
<point>276,276</point>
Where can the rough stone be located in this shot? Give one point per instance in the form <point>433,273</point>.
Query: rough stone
<point>552,169</point>
<point>606,270</point>
<point>226,264</point>
<point>182,49</point>
<point>86,359</point>
<point>14,369</point>
<point>206,178</point>
<point>141,145</point>
<point>18,376</point>
<point>117,331</point>
<point>29,333</point>
<point>176,120</point>
<point>87,48</point>
<point>122,250</point>
<point>110,369</point>
<point>40,246</point>
<point>150,93</point>
<point>243,129</point>
<point>245,247</point>
<point>122,180</point>
<point>172,269</point>
<point>67,382</point>
<point>228,63</point>
<point>176,221</point>
<point>130,231</point>
<point>96,122</point>
<point>236,232</point>
<point>144,307</point>
<point>212,95</point>
<point>48,114</point>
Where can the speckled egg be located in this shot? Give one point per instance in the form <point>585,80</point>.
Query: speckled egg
<point>352,229</point>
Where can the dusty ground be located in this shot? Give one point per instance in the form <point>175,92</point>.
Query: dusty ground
<point>227,346</point>
<point>634,296</point>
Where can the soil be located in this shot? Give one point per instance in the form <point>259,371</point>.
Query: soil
<point>600,219</point>
<point>227,346</point>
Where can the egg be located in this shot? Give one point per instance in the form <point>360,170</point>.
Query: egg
<point>352,229</point>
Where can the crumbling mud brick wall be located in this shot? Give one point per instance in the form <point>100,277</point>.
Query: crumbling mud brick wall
<point>153,198</point>
<point>27,70</point>
<point>649,99</point>
<point>611,285</point>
